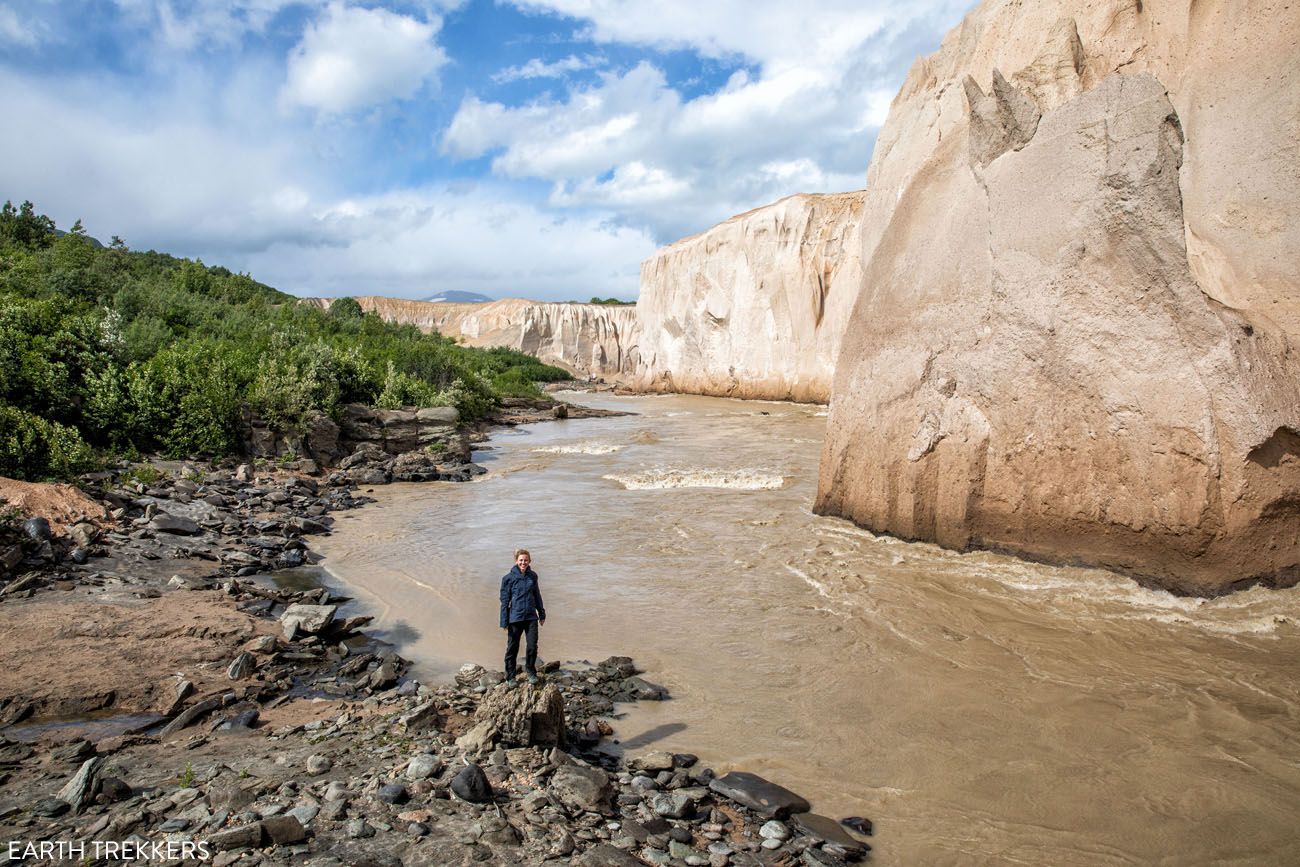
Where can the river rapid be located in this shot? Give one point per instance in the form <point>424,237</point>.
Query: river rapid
<point>980,709</point>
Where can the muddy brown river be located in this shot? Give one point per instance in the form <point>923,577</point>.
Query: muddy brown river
<point>978,708</point>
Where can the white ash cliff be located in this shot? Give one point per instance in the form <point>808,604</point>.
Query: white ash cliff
<point>756,306</point>
<point>589,339</point>
<point>1076,336</point>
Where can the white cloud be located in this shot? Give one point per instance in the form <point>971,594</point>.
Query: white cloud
<point>417,242</point>
<point>198,186</point>
<point>354,58</point>
<point>186,26</point>
<point>538,68</point>
<point>762,30</point>
<point>801,118</point>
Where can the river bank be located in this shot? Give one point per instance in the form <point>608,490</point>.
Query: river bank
<point>174,675</point>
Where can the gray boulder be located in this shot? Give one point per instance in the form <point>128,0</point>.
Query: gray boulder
<point>581,788</point>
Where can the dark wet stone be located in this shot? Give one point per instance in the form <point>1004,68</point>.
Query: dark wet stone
<point>284,830</point>
<point>38,529</point>
<point>471,784</point>
<point>828,831</point>
<point>858,824</point>
<point>760,795</point>
<point>112,789</point>
<point>243,720</point>
<point>392,793</point>
<point>643,690</point>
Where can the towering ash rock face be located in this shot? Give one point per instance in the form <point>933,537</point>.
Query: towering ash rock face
<point>754,307</point>
<point>591,339</point>
<point>1076,335</point>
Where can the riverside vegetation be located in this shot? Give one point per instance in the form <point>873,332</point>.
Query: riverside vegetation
<point>107,351</point>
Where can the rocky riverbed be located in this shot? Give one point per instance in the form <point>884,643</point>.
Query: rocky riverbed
<point>162,699</point>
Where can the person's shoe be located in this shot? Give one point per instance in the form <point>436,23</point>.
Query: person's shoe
<point>510,682</point>
<point>532,678</point>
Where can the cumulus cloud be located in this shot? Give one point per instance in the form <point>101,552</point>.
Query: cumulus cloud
<point>417,242</point>
<point>353,57</point>
<point>801,118</point>
<point>200,187</point>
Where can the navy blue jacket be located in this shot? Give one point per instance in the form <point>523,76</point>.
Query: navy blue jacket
<point>521,598</point>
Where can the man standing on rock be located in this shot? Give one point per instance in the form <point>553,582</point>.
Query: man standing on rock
<point>521,613</point>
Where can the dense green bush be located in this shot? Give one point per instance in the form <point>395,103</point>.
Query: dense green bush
<point>105,348</point>
<point>33,448</point>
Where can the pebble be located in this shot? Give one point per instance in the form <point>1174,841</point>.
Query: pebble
<point>304,814</point>
<point>357,829</point>
<point>774,830</point>
<point>318,764</point>
<point>423,766</point>
<point>391,793</point>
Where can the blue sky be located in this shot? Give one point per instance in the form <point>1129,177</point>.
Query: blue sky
<point>530,148</point>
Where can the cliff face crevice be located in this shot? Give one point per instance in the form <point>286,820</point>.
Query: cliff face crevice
<point>1067,344</point>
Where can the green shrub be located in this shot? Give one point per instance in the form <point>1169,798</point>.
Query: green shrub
<point>35,449</point>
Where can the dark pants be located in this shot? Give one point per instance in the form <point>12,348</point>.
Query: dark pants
<point>513,631</point>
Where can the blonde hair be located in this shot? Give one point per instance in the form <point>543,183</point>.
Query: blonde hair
<point>519,551</point>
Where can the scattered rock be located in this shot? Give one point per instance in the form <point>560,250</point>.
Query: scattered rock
<point>472,785</point>
<point>392,793</point>
<point>643,690</point>
<point>760,795</point>
<point>284,830</point>
<point>243,837</point>
<point>826,830</point>
<point>307,619</point>
<point>582,788</point>
<point>78,790</point>
<point>241,666</point>
<point>50,807</point>
<point>175,524</point>
<point>423,766</point>
<point>38,529</point>
<point>526,716</point>
<point>319,764</point>
<point>858,824</point>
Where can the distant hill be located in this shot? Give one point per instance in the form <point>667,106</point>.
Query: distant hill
<point>455,296</point>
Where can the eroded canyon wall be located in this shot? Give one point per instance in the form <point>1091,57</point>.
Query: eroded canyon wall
<point>754,307</point>
<point>589,339</point>
<point>1076,333</point>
